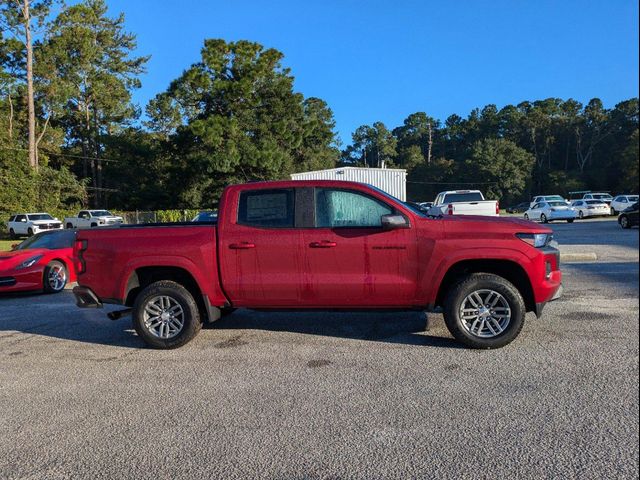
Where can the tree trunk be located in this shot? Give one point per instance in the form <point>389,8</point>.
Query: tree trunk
<point>33,161</point>
<point>429,144</point>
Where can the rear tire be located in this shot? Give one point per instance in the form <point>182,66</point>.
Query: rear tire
<point>580,215</point>
<point>526,217</point>
<point>543,218</point>
<point>165,315</point>
<point>30,232</point>
<point>12,234</point>
<point>487,322</point>
<point>624,222</point>
<point>55,277</point>
<point>570,220</point>
<point>613,211</point>
<point>94,225</point>
<point>69,226</point>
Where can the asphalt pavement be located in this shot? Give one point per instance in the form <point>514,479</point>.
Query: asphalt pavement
<point>331,395</point>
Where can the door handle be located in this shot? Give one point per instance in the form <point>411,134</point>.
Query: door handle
<point>323,244</point>
<point>242,246</point>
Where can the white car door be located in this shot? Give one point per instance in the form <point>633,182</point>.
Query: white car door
<point>21,225</point>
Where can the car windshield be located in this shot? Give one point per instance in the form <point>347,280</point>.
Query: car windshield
<point>554,198</point>
<point>594,202</point>
<point>463,197</point>
<point>49,240</point>
<point>40,216</point>
<point>558,204</point>
<point>101,213</point>
<point>602,196</point>
<point>395,200</point>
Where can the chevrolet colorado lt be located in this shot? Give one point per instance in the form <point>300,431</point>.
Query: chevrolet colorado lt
<point>327,245</point>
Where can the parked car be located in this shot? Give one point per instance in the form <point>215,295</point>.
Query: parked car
<point>622,202</point>
<point>464,202</point>
<point>320,244</point>
<point>519,208</point>
<point>590,208</point>
<point>629,217</point>
<point>28,224</point>
<point>42,262</point>
<point>92,218</point>
<point>602,196</point>
<point>548,211</point>
<point>425,205</point>
<point>206,216</point>
<point>546,198</point>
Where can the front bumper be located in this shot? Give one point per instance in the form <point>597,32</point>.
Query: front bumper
<point>23,280</point>
<point>85,298</point>
<point>540,306</point>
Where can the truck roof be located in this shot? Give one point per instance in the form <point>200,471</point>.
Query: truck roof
<point>298,183</point>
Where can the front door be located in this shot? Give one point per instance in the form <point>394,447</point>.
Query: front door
<point>351,260</point>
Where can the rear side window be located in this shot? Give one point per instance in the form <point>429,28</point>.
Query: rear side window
<point>267,208</point>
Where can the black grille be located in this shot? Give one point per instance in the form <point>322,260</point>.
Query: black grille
<point>7,281</point>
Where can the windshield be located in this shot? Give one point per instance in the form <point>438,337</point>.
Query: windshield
<point>40,216</point>
<point>558,204</point>
<point>554,198</point>
<point>49,240</point>
<point>594,202</point>
<point>463,197</point>
<point>395,200</point>
<point>101,213</point>
<point>602,196</point>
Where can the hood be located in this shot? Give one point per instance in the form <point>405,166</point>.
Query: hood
<point>479,224</point>
<point>16,257</point>
<point>44,222</point>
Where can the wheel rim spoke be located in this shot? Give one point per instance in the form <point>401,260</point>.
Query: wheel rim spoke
<point>163,317</point>
<point>485,313</point>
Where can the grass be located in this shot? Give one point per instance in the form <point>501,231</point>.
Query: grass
<point>6,244</point>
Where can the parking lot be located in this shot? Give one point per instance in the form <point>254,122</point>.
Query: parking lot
<point>332,395</point>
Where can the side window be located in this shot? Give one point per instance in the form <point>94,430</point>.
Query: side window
<point>345,208</point>
<point>83,215</point>
<point>623,200</point>
<point>21,218</point>
<point>267,208</point>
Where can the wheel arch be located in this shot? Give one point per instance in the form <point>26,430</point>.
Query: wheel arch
<point>510,270</point>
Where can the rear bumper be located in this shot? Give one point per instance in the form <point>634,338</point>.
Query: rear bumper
<point>85,298</point>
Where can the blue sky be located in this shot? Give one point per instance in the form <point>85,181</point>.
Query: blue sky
<point>382,60</point>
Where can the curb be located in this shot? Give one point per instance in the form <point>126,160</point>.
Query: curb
<point>578,257</point>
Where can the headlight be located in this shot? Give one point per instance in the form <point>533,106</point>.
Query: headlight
<point>537,240</point>
<point>30,262</point>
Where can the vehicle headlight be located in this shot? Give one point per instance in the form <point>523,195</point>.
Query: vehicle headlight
<point>537,240</point>
<point>30,262</point>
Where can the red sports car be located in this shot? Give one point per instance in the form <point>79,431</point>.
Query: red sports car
<point>42,262</point>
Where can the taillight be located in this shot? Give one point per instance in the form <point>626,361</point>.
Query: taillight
<point>78,261</point>
<point>497,207</point>
<point>450,209</point>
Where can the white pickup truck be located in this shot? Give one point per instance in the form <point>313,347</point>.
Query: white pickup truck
<point>464,202</point>
<point>92,218</point>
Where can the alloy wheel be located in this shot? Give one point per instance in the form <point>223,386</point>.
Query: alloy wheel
<point>485,313</point>
<point>163,317</point>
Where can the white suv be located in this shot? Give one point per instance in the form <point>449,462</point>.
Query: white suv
<point>31,223</point>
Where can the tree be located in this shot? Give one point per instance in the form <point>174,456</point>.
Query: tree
<point>501,163</point>
<point>373,146</point>
<point>85,66</point>
<point>20,18</point>
<point>234,116</point>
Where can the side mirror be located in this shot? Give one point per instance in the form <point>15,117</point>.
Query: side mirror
<point>393,221</point>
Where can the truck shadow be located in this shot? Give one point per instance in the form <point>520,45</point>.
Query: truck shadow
<point>406,328</point>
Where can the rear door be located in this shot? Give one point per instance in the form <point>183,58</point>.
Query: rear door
<point>21,224</point>
<point>351,260</point>
<point>260,248</point>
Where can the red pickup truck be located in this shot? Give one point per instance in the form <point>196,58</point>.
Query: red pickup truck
<point>326,245</point>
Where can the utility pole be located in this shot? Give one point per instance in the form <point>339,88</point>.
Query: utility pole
<point>430,143</point>
<point>26,15</point>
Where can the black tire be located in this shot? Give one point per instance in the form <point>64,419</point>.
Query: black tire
<point>48,285</point>
<point>526,217</point>
<point>180,295</point>
<point>480,281</point>
<point>69,226</point>
<point>94,225</point>
<point>580,215</point>
<point>613,211</point>
<point>12,234</point>
<point>624,222</point>
<point>227,311</point>
<point>570,220</point>
<point>543,218</point>
<point>30,232</point>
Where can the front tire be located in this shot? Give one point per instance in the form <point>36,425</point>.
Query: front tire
<point>543,218</point>
<point>613,211</point>
<point>570,220</point>
<point>484,311</point>
<point>55,277</point>
<point>624,222</point>
<point>526,217</point>
<point>30,232</point>
<point>69,226</point>
<point>580,215</point>
<point>165,315</point>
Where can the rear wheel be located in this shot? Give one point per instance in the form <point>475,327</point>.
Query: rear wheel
<point>30,232</point>
<point>69,225</point>
<point>12,234</point>
<point>613,211</point>
<point>94,225</point>
<point>526,217</point>
<point>570,220</point>
<point>543,218</point>
<point>580,214</point>
<point>165,315</point>
<point>55,277</point>
<point>484,311</point>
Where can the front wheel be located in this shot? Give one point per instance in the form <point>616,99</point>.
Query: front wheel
<point>526,217</point>
<point>165,315</point>
<point>484,311</point>
<point>613,211</point>
<point>624,222</point>
<point>580,214</point>
<point>55,277</point>
<point>30,232</point>
<point>69,225</point>
<point>12,234</point>
<point>543,218</point>
<point>570,220</point>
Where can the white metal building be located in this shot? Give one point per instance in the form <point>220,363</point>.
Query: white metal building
<point>391,180</point>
